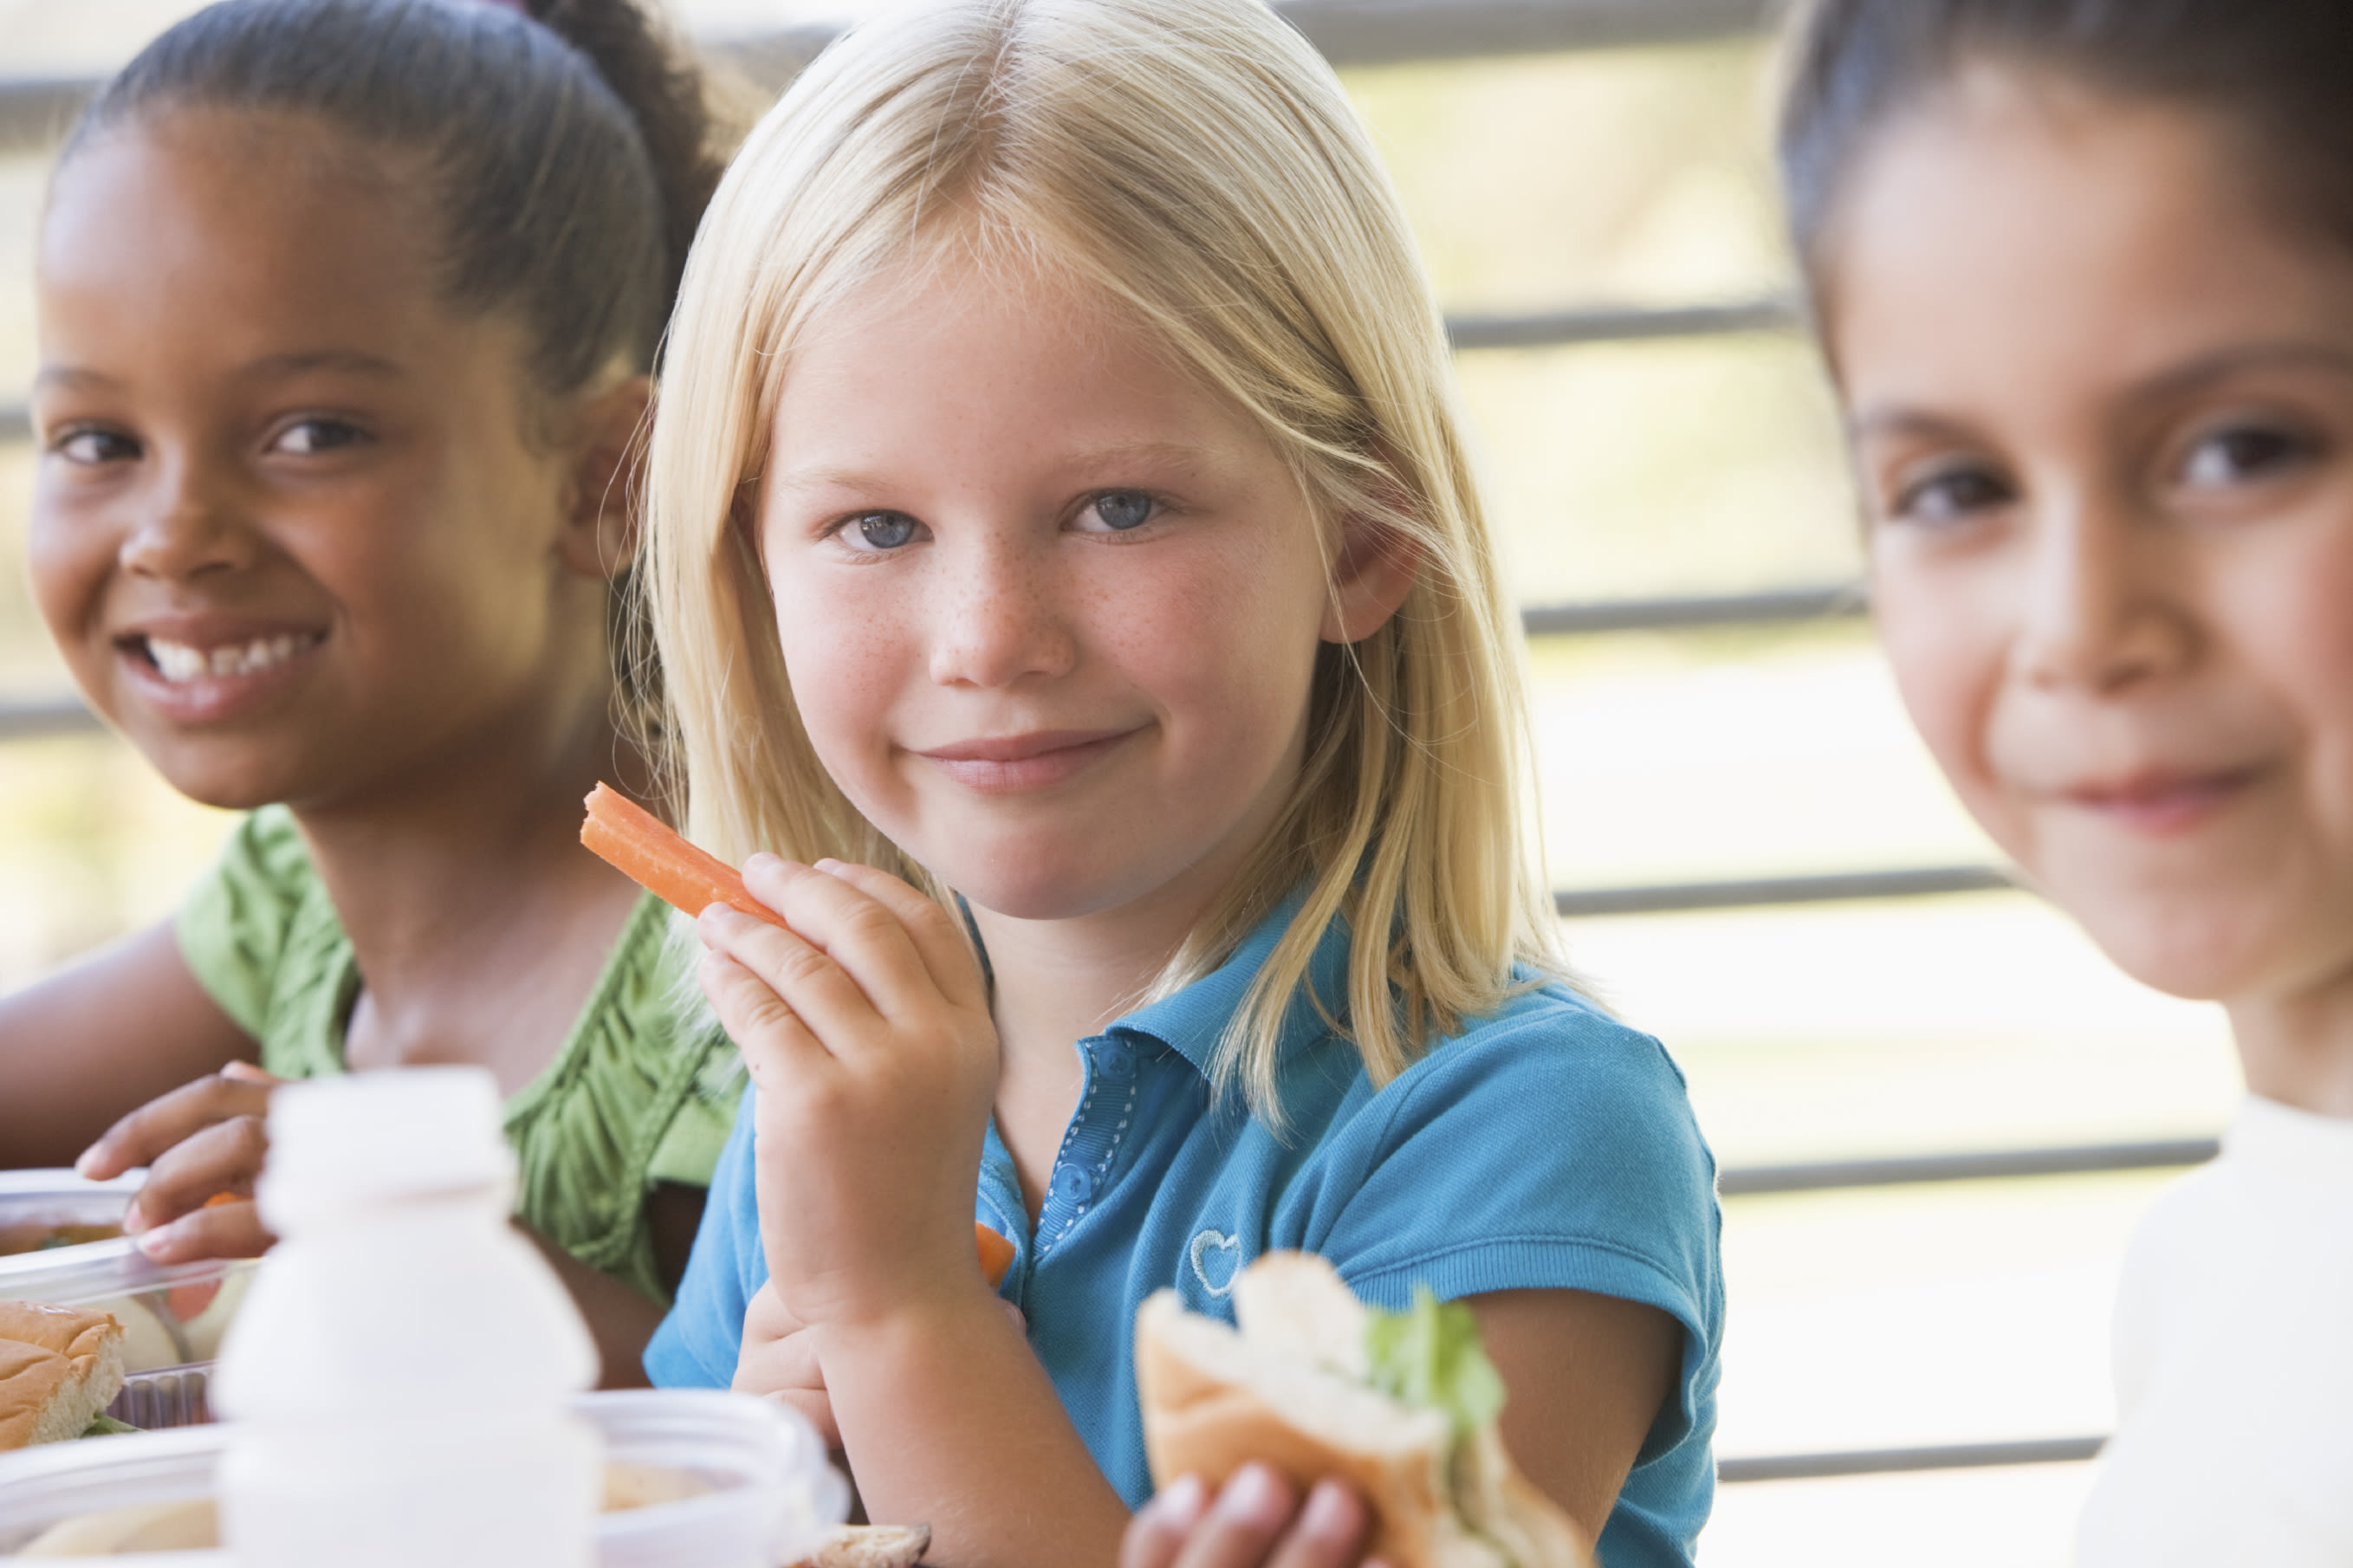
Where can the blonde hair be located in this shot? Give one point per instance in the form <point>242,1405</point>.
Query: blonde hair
<point>1201,165</point>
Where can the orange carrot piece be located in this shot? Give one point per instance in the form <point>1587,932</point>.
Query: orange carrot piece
<point>642,847</point>
<point>996,1253</point>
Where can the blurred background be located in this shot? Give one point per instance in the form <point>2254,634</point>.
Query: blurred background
<point>1591,185</point>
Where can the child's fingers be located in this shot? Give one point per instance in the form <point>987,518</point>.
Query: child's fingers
<point>224,1157</point>
<point>764,1026</point>
<point>865,937</point>
<point>805,978</point>
<point>1240,1527</point>
<point>1158,1533</point>
<point>141,1137</point>
<point>932,930</point>
<point>232,1230</point>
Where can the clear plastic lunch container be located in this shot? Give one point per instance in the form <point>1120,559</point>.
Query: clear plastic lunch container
<point>61,1242</point>
<point>700,1476</point>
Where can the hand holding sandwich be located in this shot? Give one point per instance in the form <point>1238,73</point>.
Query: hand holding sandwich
<point>1256,1519</point>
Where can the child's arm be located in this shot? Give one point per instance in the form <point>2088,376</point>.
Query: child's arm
<point>865,1029</point>
<point>112,1032</point>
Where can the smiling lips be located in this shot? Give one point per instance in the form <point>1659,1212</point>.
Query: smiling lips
<point>179,662</point>
<point>2161,804</point>
<point>202,675</point>
<point>1035,761</point>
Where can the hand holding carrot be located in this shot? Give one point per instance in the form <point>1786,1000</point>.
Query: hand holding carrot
<point>865,1023</point>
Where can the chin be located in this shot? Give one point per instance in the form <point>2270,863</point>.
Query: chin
<point>2198,954</point>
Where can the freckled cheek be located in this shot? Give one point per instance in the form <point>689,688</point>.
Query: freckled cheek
<point>847,670</point>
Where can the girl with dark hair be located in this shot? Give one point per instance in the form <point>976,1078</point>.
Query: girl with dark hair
<point>2083,271</point>
<point>347,309</point>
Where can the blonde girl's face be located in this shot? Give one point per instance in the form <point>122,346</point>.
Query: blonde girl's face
<point>1049,610</point>
<point>286,527</point>
<point>2102,410</point>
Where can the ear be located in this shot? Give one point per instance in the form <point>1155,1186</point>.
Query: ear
<point>1376,567</point>
<point>600,525</point>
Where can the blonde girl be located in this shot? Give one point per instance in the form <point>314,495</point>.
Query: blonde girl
<point>2084,272</point>
<point>1064,559</point>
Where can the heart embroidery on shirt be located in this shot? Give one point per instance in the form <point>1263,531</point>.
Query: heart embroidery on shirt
<point>1216,1258</point>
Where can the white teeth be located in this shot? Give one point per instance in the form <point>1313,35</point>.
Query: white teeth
<point>178,661</point>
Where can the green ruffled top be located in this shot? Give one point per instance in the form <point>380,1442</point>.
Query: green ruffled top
<point>636,1096</point>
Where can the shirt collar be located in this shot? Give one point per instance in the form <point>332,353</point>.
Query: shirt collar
<point>1193,1020</point>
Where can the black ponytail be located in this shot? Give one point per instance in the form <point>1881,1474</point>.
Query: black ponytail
<point>568,157</point>
<point>2278,73</point>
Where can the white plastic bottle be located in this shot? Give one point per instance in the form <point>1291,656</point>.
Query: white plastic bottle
<point>400,1376</point>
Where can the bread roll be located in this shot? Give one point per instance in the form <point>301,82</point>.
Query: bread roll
<point>60,1366</point>
<point>1287,1391</point>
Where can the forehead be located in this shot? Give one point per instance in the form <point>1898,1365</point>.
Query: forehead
<point>2120,231</point>
<point>276,224</point>
<point>978,343</point>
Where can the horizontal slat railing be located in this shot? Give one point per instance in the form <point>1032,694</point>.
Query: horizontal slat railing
<point>34,111</point>
<point>1999,1165</point>
<point>1894,1461</point>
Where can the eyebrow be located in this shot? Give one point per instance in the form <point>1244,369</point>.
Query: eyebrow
<point>1166,452</point>
<point>350,362</point>
<point>2180,381</point>
<point>269,367</point>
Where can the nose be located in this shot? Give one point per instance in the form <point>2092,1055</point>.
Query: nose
<point>187,524</point>
<point>2101,611</point>
<point>1003,615</point>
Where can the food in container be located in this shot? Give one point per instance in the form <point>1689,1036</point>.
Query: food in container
<point>173,1315</point>
<point>719,1481</point>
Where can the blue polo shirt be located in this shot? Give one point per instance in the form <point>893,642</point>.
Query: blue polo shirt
<point>1544,1146</point>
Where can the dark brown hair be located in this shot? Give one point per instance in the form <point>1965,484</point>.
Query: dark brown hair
<point>2277,73</point>
<point>568,155</point>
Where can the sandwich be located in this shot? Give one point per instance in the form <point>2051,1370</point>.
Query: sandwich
<point>1400,1405</point>
<point>60,1367</point>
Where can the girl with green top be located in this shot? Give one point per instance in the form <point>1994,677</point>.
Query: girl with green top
<point>347,313</point>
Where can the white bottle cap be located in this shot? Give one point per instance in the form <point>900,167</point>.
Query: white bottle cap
<point>377,1137</point>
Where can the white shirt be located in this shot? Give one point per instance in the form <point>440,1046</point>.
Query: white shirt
<point>2234,1360</point>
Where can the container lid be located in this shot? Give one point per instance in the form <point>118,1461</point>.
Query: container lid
<point>90,1271</point>
<point>371,1137</point>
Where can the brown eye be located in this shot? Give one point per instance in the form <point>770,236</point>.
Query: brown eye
<point>2244,454</point>
<point>1950,492</point>
<point>90,448</point>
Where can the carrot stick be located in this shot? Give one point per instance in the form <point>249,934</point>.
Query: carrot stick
<point>643,847</point>
<point>996,1253</point>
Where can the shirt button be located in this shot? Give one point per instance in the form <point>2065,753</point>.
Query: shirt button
<point>1073,1184</point>
<point>1114,1063</point>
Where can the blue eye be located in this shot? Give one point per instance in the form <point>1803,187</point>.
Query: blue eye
<point>879,531</point>
<point>1124,510</point>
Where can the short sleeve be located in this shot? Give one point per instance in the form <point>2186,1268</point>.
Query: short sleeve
<point>698,1344</point>
<point>1554,1149</point>
<point>233,929</point>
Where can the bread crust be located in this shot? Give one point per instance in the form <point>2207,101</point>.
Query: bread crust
<point>1212,1401</point>
<point>60,1366</point>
